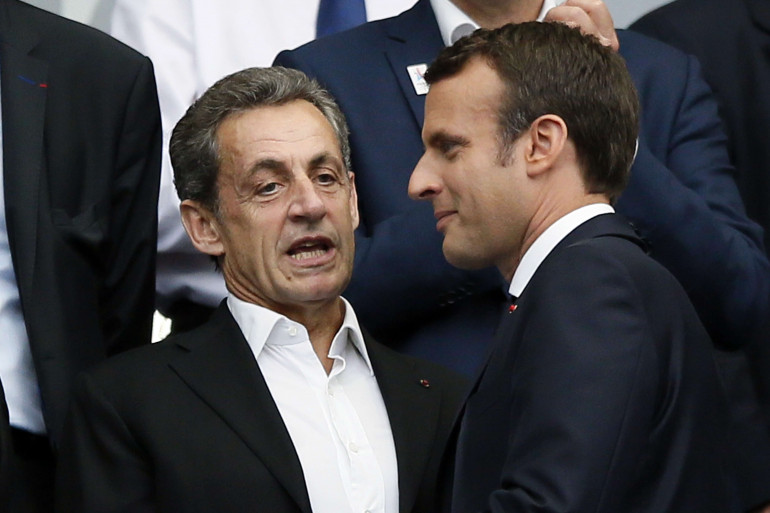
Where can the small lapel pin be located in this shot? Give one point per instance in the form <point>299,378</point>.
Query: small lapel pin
<point>417,75</point>
<point>425,383</point>
<point>511,309</point>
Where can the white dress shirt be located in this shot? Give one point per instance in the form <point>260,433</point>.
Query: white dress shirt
<point>337,422</point>
<point>548,240</point>
<point>454,23</point>
<point>192,44</point>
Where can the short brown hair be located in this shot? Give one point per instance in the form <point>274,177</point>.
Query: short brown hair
<point>550,68</point>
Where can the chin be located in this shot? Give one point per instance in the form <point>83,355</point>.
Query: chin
<point>463,259</point>
<point>320,292</point>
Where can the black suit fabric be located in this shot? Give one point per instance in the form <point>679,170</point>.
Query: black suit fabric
<point>600,394</point>
<point>188,425</point>
<point>5,450</point>
<point>81,161</point>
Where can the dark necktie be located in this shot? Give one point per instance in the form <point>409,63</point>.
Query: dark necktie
<point>337,15</point>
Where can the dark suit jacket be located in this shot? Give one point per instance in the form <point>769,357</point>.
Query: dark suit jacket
<point>81,160</point>
<point>600,394</point>
<point>731,39</point>
<point>189,425</point>
<point>681,197</point>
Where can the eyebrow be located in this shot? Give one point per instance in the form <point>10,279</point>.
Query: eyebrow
<point>324,158</point>
<point>440,138</point>
<point>274,165</point>
<point>267,165</point>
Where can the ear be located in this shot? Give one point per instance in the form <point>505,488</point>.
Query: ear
<point>202,228</point>
<point>547,142</point>
<point>353,200</point>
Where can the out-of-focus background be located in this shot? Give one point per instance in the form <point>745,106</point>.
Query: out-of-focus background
<point>95,12</point>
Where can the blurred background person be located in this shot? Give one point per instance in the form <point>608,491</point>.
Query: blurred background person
<point>81,145</point>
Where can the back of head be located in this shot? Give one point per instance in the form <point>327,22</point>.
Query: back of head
<point>550,68</point>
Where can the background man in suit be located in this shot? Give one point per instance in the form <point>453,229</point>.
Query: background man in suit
<point>80,165</point>
<point>280,402</point>
<point>410,297</point>
<point>601,393</point>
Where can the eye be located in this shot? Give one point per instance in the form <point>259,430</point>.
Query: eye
<point>325,178</point>
<point>268,189</point>
<point>450,147</point>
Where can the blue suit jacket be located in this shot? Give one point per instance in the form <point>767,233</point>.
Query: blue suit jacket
<point>682,196</point>
<point>600,394</point>
<point>731,39</point>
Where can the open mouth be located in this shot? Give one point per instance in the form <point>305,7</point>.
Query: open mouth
<point>308,249</point>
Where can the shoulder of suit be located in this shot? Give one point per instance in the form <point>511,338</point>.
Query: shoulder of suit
<point>361,40</point>
<point>640,46</point>
<point>87,42</point>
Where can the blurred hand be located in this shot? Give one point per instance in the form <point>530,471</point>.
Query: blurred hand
<point>593,17</point>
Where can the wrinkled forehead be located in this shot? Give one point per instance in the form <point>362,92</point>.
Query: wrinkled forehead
<point>292,132</point>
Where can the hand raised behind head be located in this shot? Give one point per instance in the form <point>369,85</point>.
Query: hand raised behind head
<point>592,16</point>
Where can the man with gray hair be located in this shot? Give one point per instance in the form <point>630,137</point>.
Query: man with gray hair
<point>280,402</point>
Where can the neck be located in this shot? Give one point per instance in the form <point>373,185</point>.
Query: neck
<point>322,326</point>
<point>492,14</point>
<point>322,319</point>
<point>549,211</point>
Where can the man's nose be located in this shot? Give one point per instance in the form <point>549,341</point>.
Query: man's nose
<point>306,200</point>
<point>423,184</point>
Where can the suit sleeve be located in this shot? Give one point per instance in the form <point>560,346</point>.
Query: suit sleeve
<point>127,300</point>
<point>100,466</point>
<point>683,198</point>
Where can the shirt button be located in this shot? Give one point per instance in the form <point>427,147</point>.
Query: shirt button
<point>353,447</point>
<point>293,331</point>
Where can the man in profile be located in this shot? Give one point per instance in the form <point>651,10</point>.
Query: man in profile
<point>280,402</point>
<point>600,393</point>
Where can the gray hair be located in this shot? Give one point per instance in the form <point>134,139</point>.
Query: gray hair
<point>194,147</point>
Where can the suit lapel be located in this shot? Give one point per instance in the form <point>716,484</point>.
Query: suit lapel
<point>24,90</point>
<point>220,368</point>
<point>414,38</point>
<point>413,411</point>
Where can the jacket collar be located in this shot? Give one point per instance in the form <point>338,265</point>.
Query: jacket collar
<point>414,39</point>
<point>220,368</point>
